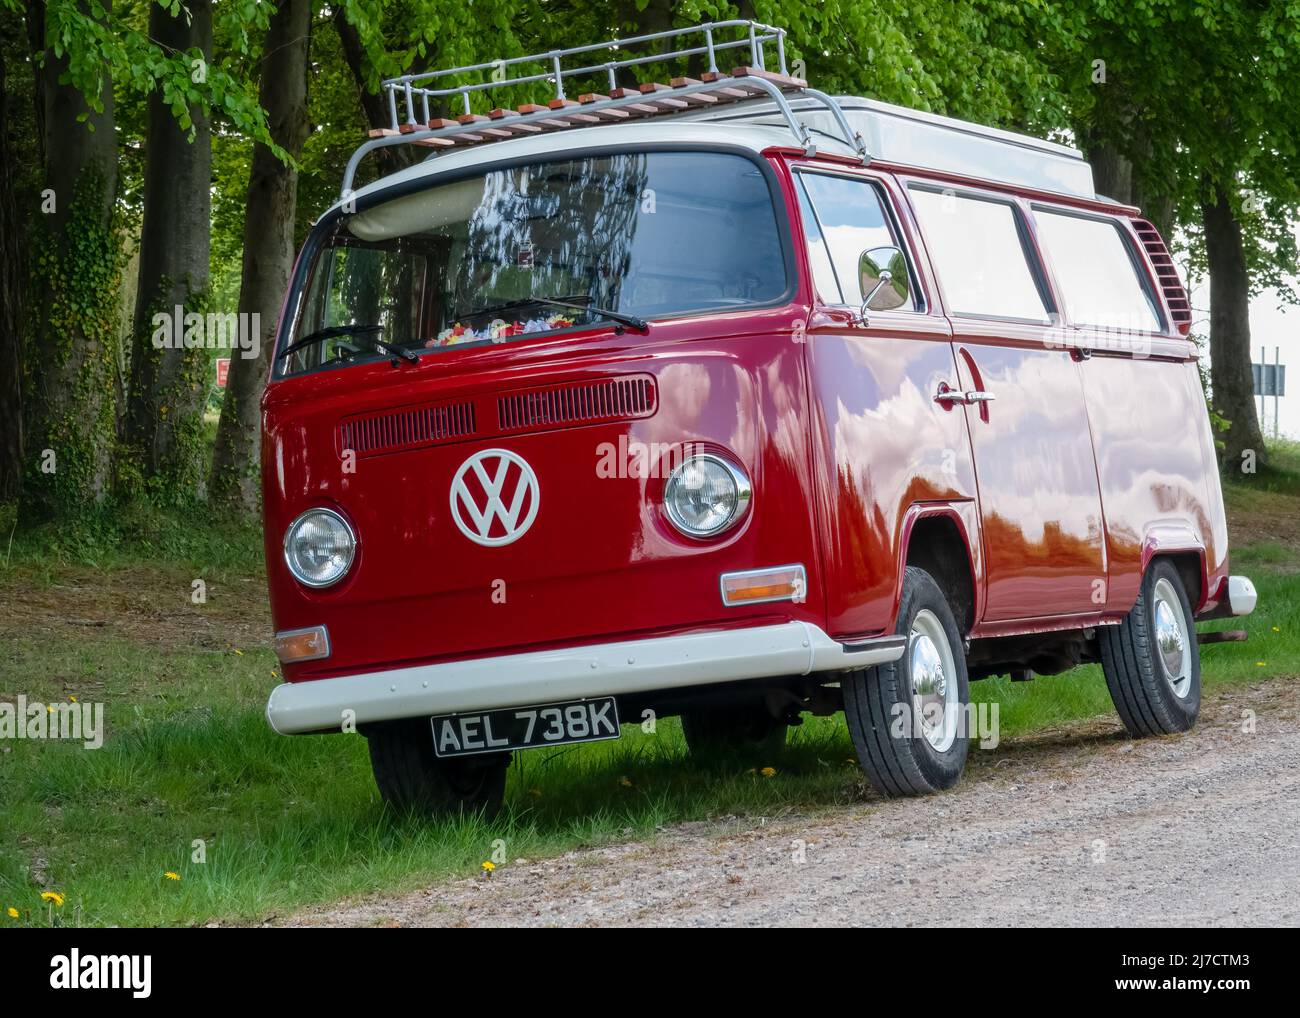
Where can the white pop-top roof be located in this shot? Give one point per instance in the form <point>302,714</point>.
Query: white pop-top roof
<point>897,134</point>
<point>893,134</point>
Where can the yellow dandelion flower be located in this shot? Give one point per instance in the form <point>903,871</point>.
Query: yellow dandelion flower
<point>768,772</point>
<point>73,699</point>
<point>172,876</point>
<point>12,913</point>
<point>1277,629</point>
<point>489,866</point>
<point>53,896</point>
<point>1261,664</point>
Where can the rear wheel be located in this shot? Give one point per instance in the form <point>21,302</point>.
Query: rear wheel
<point>746,731</point>
<point>1151,660</point>
<point>412,779</point>
<point>907,718</point>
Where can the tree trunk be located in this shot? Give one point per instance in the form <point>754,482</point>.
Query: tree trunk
<point>76,254</point>
<point>164,414</point>
<point>268,252</point>
<point>13,262</point>
<point>1112,173</point>
<point>1231,386</point>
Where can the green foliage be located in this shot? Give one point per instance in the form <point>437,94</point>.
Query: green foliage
<point>123,534</point>
<point>1195,95</point>
<point>104,45</point>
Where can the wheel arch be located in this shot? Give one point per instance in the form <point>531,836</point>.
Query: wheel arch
<point>935,538</point>
<point>1186,552</point>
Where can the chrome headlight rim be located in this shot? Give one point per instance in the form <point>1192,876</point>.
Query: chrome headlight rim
<point>289,532</point>
<point>739,478</point>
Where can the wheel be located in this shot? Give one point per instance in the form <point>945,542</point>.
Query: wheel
<point>907,718</point>
<point>1151,660</point>
<point>747,731</point>
<point>411,779</point>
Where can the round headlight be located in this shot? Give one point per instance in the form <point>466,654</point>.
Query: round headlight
<point>318,547</point>
<point>705,495</point>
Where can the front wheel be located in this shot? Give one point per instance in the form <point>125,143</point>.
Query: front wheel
<point>907,718</point>
<point>1151,660</point>
<point>412,779</point>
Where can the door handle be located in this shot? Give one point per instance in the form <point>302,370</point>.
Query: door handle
<point>971,396</point>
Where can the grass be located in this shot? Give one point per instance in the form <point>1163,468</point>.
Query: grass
<point>188,764</point>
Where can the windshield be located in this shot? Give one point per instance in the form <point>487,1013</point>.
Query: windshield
<point>648,234</point>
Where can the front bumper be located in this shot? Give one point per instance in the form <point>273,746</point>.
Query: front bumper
<point>514,680</point>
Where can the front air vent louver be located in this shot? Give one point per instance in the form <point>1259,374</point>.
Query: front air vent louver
<point>1175,295</point>
<point>612,399</point>
<point>406,429</point>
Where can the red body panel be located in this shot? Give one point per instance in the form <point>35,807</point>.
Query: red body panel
<point>600,560</point>
<point>1063,488</point>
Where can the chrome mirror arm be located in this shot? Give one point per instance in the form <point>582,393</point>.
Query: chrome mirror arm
<point>886,277</point>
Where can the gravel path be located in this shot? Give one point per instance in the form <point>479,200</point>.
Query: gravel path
<point>1075,827</point>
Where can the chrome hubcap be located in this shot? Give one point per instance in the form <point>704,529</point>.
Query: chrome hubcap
<point>934,681</point>
<point>1173,641</point>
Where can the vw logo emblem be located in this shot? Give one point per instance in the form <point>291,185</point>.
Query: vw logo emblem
<point>494,497</point>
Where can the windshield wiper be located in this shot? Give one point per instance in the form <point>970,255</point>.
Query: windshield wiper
<point>631,321</point>
<point>335,331</point>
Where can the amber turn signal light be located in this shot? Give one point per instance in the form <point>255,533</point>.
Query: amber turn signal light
<point>754,586</point>
<point>295,645</point>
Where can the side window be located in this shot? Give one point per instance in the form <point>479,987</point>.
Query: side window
<point>1095,274</point>
<point>978,252</point>
<point>849,218</point>
<point>819,258</point>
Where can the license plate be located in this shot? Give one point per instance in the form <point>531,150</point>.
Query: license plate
<point>552,724</point>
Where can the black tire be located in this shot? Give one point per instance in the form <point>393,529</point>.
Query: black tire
<point>411,779</point>
<point>892,745</point>
<point>745,731</point>
<point>1150,698</point>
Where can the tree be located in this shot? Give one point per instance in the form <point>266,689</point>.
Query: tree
<point>17,121</point>
<point>1193,111</point>
<point>268,250</point>
<point>70,422</point>
<point>167,387</point>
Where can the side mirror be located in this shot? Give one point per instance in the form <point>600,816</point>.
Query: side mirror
<point>882,278</point>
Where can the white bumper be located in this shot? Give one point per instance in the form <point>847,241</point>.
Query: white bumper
<point>513,680</point>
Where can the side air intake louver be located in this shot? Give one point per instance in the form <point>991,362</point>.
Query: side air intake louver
<point>406,429</point>
<point>1175,295</point>
<point>611,399</point>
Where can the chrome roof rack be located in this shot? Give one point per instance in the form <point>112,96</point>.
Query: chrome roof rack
<point>413,98</point>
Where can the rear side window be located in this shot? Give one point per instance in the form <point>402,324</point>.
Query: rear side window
<point>842,218</point>
<point>979,255</point>
<point>1095,274</point>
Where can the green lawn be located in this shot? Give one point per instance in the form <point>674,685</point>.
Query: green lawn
<point>285,822</point>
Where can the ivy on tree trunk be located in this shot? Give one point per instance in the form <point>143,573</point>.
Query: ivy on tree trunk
<point>73,301</point>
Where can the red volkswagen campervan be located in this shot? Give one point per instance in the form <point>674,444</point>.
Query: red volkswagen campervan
<point>724,398</point>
